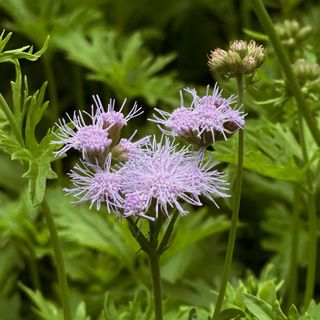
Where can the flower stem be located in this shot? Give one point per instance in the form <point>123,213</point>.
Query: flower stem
<point>293,274</point>
<point>312,216</point>
<point>235,211</point>
<point>154,250</point>
<point>284,62</point>
<point>154,260</point>
<point>312,252</point>
<point>62,277</point>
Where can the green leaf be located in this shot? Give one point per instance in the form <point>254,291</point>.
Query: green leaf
<point>267,291</point>
<point>8,143</point>
<point>81,313</point>
<point>110,311</point>
<point>25,52</point>
<point>230,313</point>
<point>313,310</point>
<point>44,308</point>
<point>271,150</point>
<point>258,307</point>
<point>122,63</point>
<point>91,229</point>
<point>293,313</point>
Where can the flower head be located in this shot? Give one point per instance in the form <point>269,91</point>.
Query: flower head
<point>88,139</point>
<point>208,119</point>
<point>163,178</point>
<point>126,147</point>
<point>115,120</point>
<point>97,185</point>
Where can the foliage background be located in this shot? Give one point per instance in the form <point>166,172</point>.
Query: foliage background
<point>147,51</point>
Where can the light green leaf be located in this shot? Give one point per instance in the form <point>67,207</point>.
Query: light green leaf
<point>271,150</point>
<point>25,52</point>
<point>81,313</point>
<point>313,310</point>
<point>260,309</point>
<point>44,308</point>
<point>122,63</point>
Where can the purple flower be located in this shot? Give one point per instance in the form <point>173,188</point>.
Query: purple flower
<point>115,119</point>
<point>206,120</point>
<point>163,178</point>
<point>88,139</point>
<point>126,147</point>
<point>97,185</point>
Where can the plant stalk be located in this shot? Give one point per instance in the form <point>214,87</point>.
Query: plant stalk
<point>154,260</point>
<point>235,211</point>
<point>62,277</point>
<point>284,62</point>
<point>312,216</point>
<point>293,272</point>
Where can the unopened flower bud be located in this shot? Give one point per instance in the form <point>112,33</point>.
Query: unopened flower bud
<point>241,58</point>
<point>291,34</point>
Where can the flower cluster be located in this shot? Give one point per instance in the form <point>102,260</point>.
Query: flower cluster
<point>145,178</point>
<point>95,139</point>
<point>240,58</point>
<point>208,119</point>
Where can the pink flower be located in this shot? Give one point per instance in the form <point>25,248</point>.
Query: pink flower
<point>206,120</point>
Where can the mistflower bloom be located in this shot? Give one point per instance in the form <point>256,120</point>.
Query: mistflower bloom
<point>115,120</point>
<point>164,178</point>
<point>208,119</point>
<point>136,205</point>
<point>88,139</point>
<point>97,185</point>
<point>127,147</point>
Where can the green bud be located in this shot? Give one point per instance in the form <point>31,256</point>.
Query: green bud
<point>241,58</point>
<point>291,34</point>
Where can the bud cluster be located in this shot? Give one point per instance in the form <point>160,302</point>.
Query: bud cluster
<point>241,58</point>
<point>308,75</point>
<point>291,34</point>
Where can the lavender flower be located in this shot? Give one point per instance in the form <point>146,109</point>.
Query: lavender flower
<point>95,138</point>
<point>164,177</point>
<point>97,185</point>
<point>88,139</point>
<point>206,120</point>
<point>115,120</point>
<point>127,147</point>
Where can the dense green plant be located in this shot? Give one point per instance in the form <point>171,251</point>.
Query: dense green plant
<point>148,52</point>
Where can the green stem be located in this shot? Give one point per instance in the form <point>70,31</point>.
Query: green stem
<point>312,252</point>
<point>62,277</point>
<point>312,216</point>
<point>284,61</point>
<point>235,211</point>
<point>154,260</point>
<point>293,272</point>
